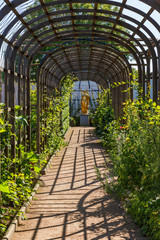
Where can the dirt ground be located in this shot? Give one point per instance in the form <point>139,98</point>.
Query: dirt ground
<point>71,204</point>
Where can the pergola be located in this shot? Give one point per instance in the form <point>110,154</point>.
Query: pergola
<point>91,41</point>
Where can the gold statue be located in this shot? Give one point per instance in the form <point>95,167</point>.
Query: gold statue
<point>84,102</point>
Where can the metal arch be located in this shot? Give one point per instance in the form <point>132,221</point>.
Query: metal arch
<point>100,48</point>
<point>97,47</point>
<point>130,49</point>
<point>115,4</point>
<point>47,21</point>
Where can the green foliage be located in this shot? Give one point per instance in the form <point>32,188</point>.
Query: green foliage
<point>135,152</point>
<point>67,84</point>
<point>18,175</point>
<point>103,115</point>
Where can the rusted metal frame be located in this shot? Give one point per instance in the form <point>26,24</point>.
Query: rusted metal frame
<point>55,61</point>
<point>121,72</point>
<point>136,58</point>
<point>132,51</point>
<point>102,57</point>
<point>12,112</point>
<point>124,95</point>
<point>155,90</point>
<point>50,84</point>
<point>117,97</point>
<point>125,61</point>
<point>53,74</point>
<point>133,54</point>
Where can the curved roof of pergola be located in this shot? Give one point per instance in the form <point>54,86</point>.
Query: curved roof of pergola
<point>89,40</point>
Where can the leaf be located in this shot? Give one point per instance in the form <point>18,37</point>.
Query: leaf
<point>4,188</point>
<point>17,108</point>
<point>2,130</point>
<point>37,169</point>
<point>1,122</point>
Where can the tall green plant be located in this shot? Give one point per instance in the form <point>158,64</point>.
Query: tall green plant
<point>135,152</point>
<point>103,114</point>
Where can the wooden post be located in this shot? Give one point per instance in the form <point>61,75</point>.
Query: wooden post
<point>12,106</point>
<point>38,112</point>
<point>28,109</point>
<point>6,100</point>
<point>19,103</point>
<point>24,104</point>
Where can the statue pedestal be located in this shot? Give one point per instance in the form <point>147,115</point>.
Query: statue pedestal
<point>84,120</point>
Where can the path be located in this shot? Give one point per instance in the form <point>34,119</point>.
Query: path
<point>72,205</point>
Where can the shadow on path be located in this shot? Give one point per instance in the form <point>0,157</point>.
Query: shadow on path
<point>72,205</point>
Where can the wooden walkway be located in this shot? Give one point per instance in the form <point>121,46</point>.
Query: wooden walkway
<point>72,205</point>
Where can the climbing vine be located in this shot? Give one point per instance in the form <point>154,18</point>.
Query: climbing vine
<point>19,175</point>
<point>134,146</point>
